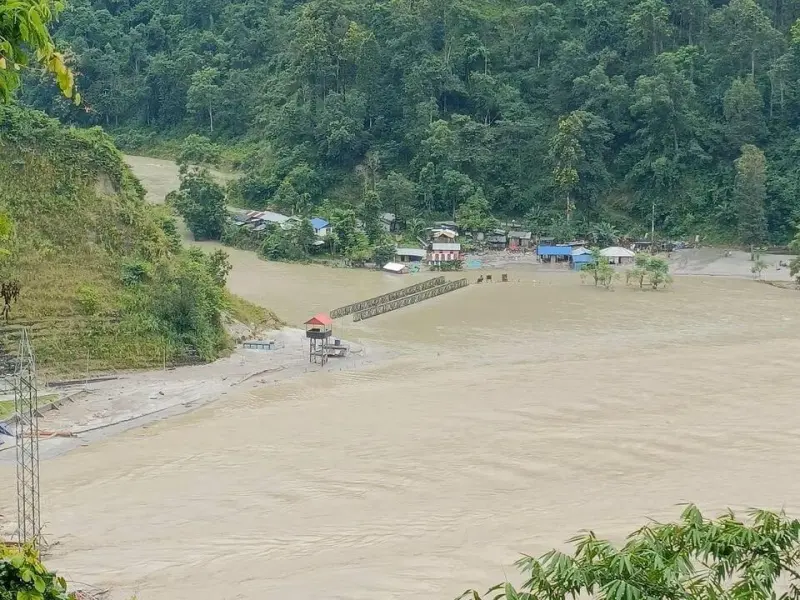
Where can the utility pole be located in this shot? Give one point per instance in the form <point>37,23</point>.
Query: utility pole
<point>653,229</point>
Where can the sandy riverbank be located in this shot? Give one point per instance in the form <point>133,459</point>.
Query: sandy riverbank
<point>94,411</point>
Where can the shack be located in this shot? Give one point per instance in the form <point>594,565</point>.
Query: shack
<point>559,253</point>
<point>519,240</point>
<point>580,258</point>
<point>617,255</point>
<point>409,255</point>
<point>496,241</point>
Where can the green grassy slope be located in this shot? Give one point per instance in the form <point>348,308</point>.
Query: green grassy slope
<point>81,224</point>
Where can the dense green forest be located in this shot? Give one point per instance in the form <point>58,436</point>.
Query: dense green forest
<point>561,113</point>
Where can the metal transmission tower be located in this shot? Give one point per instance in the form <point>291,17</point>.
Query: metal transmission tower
<point>26,404</point>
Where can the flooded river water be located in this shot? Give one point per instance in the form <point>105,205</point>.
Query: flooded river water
<point>514,415</point>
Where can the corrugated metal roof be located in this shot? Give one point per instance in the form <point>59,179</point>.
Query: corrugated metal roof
<point>580,251</point>
<point>553,250</point>
<point>318,223</point>
<point>617,252</point>
<point>268,215</point>
<point>443,246</point>
<point>418,252</point>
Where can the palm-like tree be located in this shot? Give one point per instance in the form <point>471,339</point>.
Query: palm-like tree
<point>415,227</point>
<point>604,234</point>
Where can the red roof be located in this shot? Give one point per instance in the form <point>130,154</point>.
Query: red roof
<point>320,319</point>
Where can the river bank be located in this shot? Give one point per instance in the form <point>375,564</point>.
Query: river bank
<point>96,410</point>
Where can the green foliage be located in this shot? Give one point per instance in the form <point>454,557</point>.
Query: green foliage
<point>592,112</point>
<point>292,242</point>
<point>88,299</point>
<point>692,559</point>
<point>750,190</point>
<point>201,202</point>
<point>24,577</point>
<point>474,214</point>
<point>794,264</point>
<point>600,270</point>
<point>448,265</point>
<point>185,300</point>
<point>654,269</point>
<point>23,32</point>
<point>383,251</point>
<point>135,271</point>
<point>198,150</point>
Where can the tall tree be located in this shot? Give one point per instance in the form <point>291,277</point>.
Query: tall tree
<point>204,94</point>
<point>744,111</point>
<point>749,193</point>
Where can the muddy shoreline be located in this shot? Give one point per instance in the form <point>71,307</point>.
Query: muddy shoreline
<point>97,410</point>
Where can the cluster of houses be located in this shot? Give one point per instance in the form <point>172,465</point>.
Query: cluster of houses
<point>259,220</point>
<point>442,243</point>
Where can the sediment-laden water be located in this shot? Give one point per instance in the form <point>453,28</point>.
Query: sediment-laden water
<point>514,415</point>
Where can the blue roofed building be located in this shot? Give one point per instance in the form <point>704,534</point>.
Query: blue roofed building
<point>558,253</point>
<point>321,226</point>
<point>581,257</point>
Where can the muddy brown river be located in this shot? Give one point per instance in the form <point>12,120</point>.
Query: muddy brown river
<point>513,416</point>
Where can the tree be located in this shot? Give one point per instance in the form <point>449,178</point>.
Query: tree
<point>604,234</point>
<point>565,152</point>
<point>201,202</point>
<point>601,271</point>
<point>648,26</point>
<point>652,268</point>
<point>759,264</point>
<point>794,264</point>
<point>639,270</point>
<point>744,111</point>
<point>749,194</point>
<point>383,252</point>
<point>23,32</point>
<point>198,150</point>
<point>204,94</point>
<point>692,559</point>
<point>658,272</point>
<point>474,214</point>
<point>397,194</point>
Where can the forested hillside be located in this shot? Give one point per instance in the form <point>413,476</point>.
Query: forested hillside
<point>567,112</point>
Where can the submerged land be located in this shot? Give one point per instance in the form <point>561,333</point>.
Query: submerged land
<point>464,431</point>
